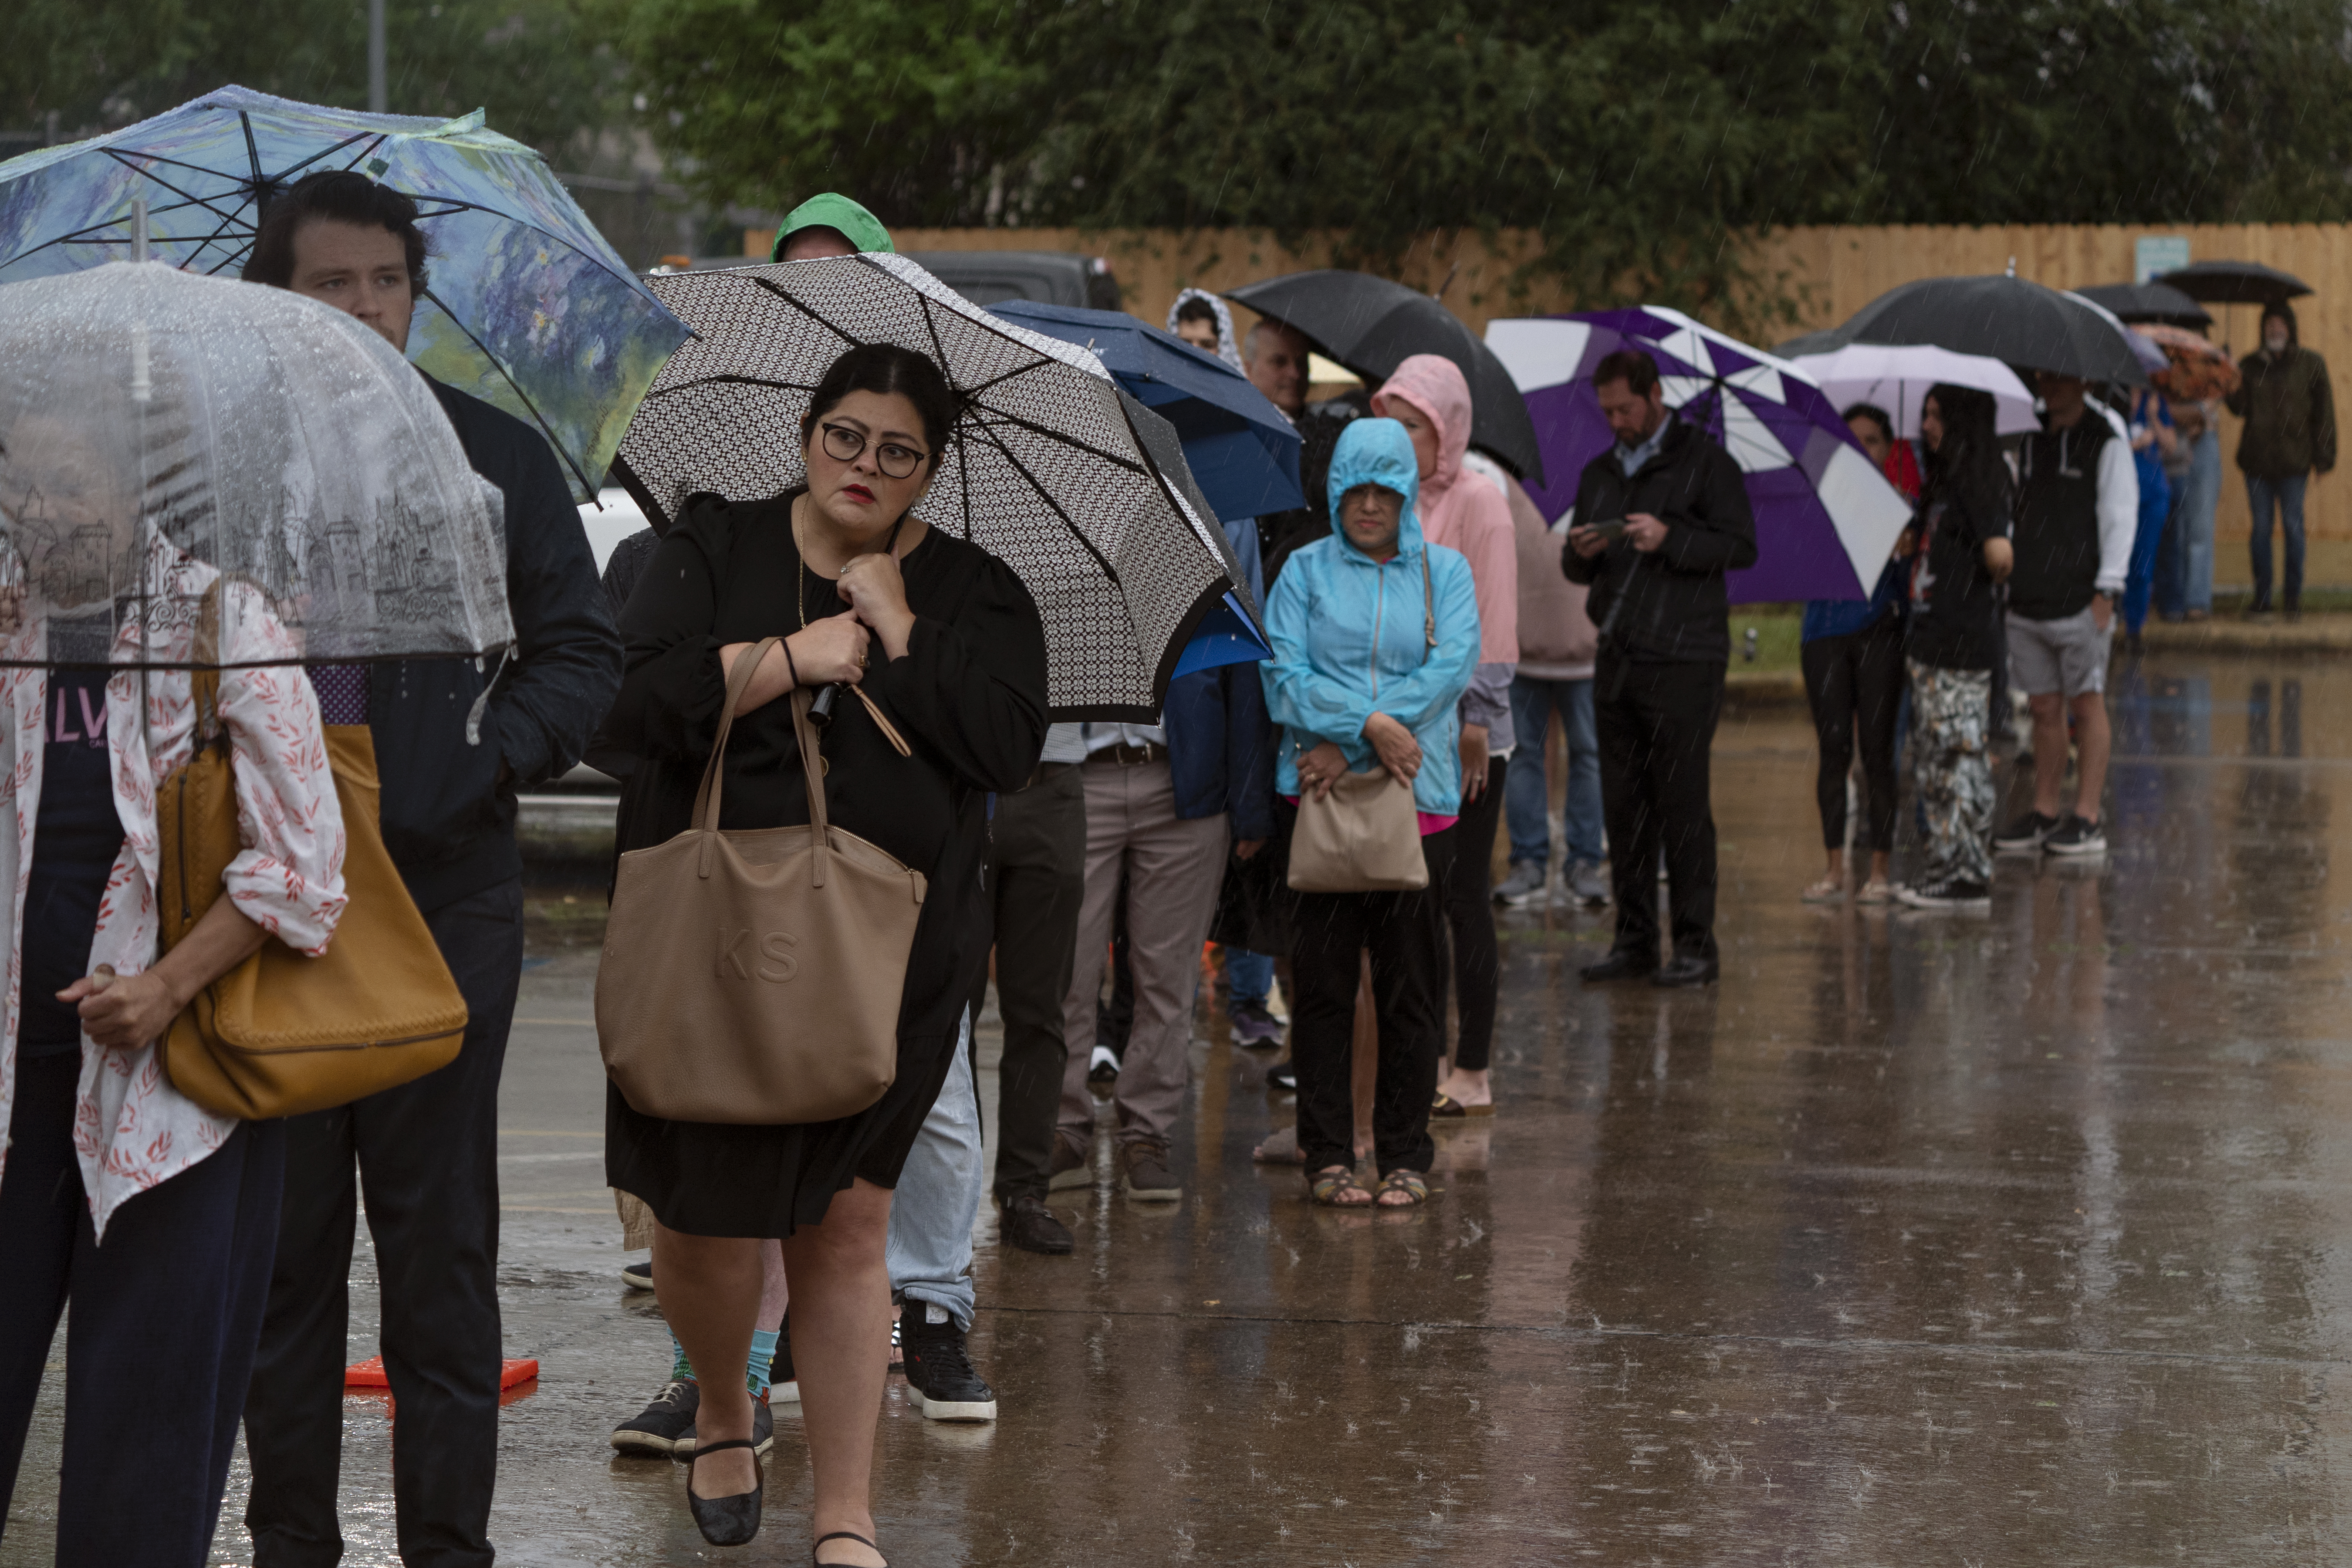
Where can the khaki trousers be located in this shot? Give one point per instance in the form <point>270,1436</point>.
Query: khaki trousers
<point>1173,868</point>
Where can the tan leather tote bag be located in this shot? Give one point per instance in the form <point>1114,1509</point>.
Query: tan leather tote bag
<point>754,976</point>
<point>1365,835</point>
<point>282,1034</point>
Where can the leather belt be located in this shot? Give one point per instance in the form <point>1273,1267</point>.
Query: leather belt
<point>1129,757</point>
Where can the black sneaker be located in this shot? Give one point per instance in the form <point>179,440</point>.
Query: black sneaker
<point>657,1428</point>
<point>1952,893</point>
<point>1253,1024</point>
<point>1103,1066</point>
<point>940,1372</point>
<point>783,1384</point>
<point>1284,1076</point>
<point>2028,832</point>
<point>763,1433</point>
<point>638,1276</point>
<point>2076,836</point>
<point>1029,1226</point>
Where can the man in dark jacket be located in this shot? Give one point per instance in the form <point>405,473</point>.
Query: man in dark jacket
<point>2290,413</point>
<point>454,740</point>
<point>1660,517</point>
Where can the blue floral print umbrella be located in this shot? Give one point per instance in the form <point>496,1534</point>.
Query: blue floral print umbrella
<point>527,308</point>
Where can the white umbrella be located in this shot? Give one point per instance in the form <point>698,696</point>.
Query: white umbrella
<point>1896,377</point>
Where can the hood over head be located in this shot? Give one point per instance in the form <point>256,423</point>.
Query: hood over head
<point>1435,384</point>
<point>1376,452</point>
<point>2284,312</point>
<point>1229,347</point>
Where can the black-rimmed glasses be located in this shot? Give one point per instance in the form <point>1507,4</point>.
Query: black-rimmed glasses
<point>843,444</point>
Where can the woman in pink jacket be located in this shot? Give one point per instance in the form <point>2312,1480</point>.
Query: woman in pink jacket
<point>1463,507</point>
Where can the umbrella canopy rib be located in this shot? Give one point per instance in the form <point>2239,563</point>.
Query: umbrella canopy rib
<point>1109,573</point>
<point>499,365</point>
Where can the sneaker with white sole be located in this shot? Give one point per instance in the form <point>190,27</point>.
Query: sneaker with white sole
<point>939,1375</point>
<point>1144,1172</point>
<point>1102,1067</point>
<point>1587,883</point>
<point>2026,833</point>
<point>1524,884</point>
<point>1955,894</point>
<point>657,1428</point>
<point>2076,836</point>
<point>1253,1024</point>
<point>638,1276</point>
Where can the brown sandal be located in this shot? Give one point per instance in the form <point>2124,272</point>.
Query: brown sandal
<point>1409,1183</point>
<point>1330,1187</point>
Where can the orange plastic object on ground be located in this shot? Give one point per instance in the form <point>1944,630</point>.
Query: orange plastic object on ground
<point>369,1374</point>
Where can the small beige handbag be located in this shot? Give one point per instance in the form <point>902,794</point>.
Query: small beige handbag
<point>1362,837</point>
<point>754,976</point>
<point>1365,835</point>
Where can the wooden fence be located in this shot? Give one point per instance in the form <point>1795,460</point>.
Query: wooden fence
<point>1828,273</point>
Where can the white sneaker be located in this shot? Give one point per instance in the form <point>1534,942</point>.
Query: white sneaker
<point>1525,884</point>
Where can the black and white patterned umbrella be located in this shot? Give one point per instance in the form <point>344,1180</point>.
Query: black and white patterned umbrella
<point>1044,471</point>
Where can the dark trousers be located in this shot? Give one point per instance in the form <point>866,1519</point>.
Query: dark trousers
<point>160,1344</point>
<point>1405,934</point>
<point>1037,870</point>
<point>1656,725</point>
<point>1855,684</point>
<point>1469,899</point>
<point>427,1153</point>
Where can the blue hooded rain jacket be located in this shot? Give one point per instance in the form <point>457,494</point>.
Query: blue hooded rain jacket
<point>1349,633</point>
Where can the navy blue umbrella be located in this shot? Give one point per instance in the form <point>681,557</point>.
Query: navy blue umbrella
<point>1243,453</point>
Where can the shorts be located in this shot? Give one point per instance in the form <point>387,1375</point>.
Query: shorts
<point>2067,656</point>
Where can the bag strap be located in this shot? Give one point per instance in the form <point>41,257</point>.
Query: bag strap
<point>204,677</point>
<point>706,798</point>
<point>1428,606</point>
<point>813,767</point>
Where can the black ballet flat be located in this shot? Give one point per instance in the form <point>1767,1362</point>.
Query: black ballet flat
<point>726,1521</point>
<point>838,1535</point>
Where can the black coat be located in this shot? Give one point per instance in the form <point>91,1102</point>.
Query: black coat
<point>448,806</point>
<point>1669,605</point>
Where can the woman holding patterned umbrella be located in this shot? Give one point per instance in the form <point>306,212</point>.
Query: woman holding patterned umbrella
<point>948,644</point>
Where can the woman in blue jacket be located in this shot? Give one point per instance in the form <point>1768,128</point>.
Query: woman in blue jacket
<point>1375,636</point>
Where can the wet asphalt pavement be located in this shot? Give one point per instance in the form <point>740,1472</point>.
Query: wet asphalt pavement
<point>1919,1239</point>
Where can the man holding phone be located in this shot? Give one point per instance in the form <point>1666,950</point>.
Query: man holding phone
<point>1658,519</point>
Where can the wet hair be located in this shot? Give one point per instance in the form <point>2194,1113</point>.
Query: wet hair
<point>1635,367</point>
<point>1969,460</point>
<point>1265,327</point>
<point>1197,310</point>
<point>888,370</point>
<point>338,196</point>
<point>1874,413</point>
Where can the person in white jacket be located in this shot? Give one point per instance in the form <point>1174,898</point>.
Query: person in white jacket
<point>2077,509</point>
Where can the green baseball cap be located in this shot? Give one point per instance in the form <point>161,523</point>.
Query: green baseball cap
<point>836,211</point>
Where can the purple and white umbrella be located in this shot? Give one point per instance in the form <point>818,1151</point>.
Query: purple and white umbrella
<point>1826,519</point>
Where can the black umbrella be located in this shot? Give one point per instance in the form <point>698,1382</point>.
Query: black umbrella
<point>2002,318</point>
<point>1044,470</point>
<point>1372,326</point>
<point>2236,283</point>
<point>2150,301</point>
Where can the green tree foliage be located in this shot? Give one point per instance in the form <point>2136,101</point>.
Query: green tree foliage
<point>538,66</point>
<point>1635,137</point>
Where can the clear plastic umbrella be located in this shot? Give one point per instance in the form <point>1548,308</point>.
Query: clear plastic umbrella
<point>149,415</point>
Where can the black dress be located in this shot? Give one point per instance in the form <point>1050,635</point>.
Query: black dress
<point>969,697</point>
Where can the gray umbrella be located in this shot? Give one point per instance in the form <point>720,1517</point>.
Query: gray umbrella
<point>2002,318</point>
<point>2151,302</point>
<point>2236,283</point>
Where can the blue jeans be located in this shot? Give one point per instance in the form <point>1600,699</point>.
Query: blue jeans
<point>1250,974</point>
<point>929,1250</point>
<point>1526,800</point>
<point>2287,494</point>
